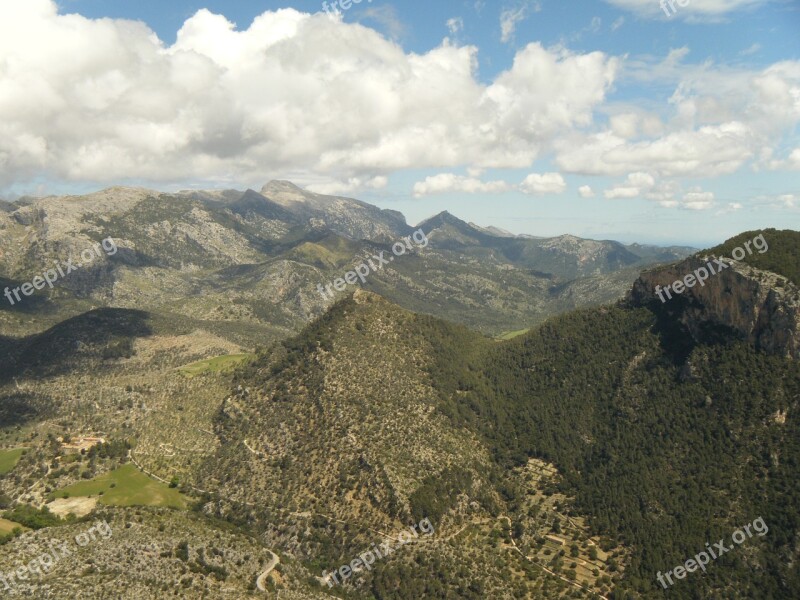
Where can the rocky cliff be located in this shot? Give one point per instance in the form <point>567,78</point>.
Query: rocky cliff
<point>759,306</point>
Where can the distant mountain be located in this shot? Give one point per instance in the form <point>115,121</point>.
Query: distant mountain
<point>660,253</point>
<point>566,257</point>
<point>345,216</point>
<point>232,256</point>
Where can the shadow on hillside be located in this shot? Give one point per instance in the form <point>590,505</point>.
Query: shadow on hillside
<point>27,304</point>
<point>87,338</point>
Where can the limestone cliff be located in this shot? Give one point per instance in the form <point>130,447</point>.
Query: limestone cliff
<point>759,306</point>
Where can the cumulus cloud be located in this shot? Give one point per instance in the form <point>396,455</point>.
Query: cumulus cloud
<point>352,185</point>
<point>534,184</point>
<point>717,120</point>
<point>545,183</point>
<point>635,185</point>
<point>665,193</point>
<point>707,151</point>
<point>449,182</point>
<point>698,200</point>
<point>586,191</point>
<point>292,93</point>
<point>317,98</point>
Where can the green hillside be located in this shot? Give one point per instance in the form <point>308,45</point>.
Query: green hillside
<point>782,257</point>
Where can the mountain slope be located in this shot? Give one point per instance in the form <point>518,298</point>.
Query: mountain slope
<point>666,442</point>
<point>227,256</point>
<point>345,216</point>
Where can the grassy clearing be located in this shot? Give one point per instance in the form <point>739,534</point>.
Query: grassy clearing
<point>9,459</point>
<point>7,526</point>
<point>126,486</point>
<point>218,364</point>
<point>508,335</point>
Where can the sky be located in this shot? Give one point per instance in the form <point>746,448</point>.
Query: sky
<point>673,123</point>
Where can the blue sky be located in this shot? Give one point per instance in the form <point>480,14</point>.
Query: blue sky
<point>604,119</point>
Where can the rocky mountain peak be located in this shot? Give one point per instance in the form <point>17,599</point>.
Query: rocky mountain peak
<point>285,191</point>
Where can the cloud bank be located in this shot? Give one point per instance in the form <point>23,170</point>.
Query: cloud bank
<point>293,92</point>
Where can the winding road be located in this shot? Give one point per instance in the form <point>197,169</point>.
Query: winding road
<point>263,577</point>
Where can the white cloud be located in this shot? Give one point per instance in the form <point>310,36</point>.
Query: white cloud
<point>354,184</point>
<point>545,183</point>
<point>455,25</point>
<point>511,17</point>
<point>450,182</point>
<point>317,98</point>
<point>766,161</point>
<point>292,93</point>
<point>707,151</point>
<point>634,186</point>
<point>535,184</point>
<point>698,200</point>
<point>751,50</point>
<point>617,23</point>
<point>687,8</point>
<point>731,207</point>
<point>665,193</point>
<point>586,191</point>
<point>625,125</point>
<point>718,118</point>
<point>794,160</point>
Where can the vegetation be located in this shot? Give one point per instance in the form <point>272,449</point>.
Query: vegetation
<point>7,527</point>
<point>33,518</point>
<point>782,256</point>
<point>598,394</point>
<point>9,459</point>
<point>571,460</point>
<point>218,364</point>
<point>126,486</point>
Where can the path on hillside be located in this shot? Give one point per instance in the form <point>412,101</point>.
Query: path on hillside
<point>263,577</point>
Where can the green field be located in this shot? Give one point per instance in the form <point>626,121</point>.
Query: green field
<point>511,334</point>
<point>133,488</point>
<point>9,459</point>
<point>7,526</point>
<point>215,365</point>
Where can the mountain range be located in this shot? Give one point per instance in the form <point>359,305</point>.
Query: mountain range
<point>256,435</point>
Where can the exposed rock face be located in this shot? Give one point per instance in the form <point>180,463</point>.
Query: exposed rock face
<point>760,306</point>
<point>345,216</point>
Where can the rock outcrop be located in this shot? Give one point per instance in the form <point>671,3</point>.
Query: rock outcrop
<point>760,306</point>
